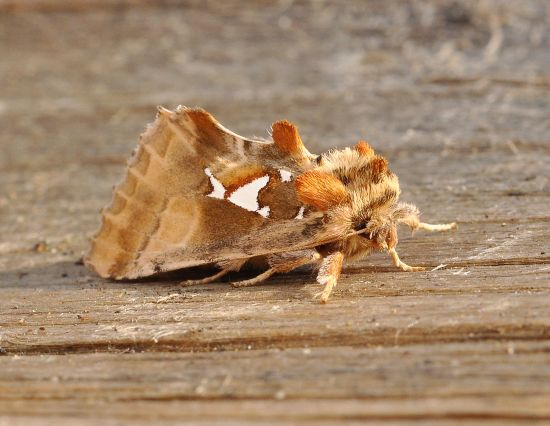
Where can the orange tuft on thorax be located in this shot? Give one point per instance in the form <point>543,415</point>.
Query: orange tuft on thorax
<point>378,166</point>
<point>286,137</point>
<point>321,190</point>
<point>364,149</point>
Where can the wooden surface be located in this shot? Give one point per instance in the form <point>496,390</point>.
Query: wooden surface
<point>455,94</point>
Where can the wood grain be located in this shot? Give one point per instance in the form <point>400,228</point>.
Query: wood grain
<point>392,383</point>
<point>454,94</point>
<point>145,316</point>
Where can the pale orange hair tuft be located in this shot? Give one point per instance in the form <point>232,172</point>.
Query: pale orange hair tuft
<point>321,190</point>
<point>286,137</point>
<point>363,148</point>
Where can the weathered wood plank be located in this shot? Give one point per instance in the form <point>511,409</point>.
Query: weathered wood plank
<point>396,383</point>
<point>371,309</point>
<point>401,412</point>
<point>454,94</point>
<point>26,6</point>
<point>90,89</point>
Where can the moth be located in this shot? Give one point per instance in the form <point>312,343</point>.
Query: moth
<point>196,193</point>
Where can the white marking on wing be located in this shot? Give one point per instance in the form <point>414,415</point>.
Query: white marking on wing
<point>286,176</point>
<point>218,190</point>
<point>300,214</point>
<point>264,211</point>
<point>247,195</point>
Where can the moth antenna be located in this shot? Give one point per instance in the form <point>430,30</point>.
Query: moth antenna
<point>270,131</point>
<point>321,190</point>
<point>359,232</point>
<point>363,148</point>
<point>437,227</point>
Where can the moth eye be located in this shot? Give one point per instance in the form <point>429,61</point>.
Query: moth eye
<point>359,226</point>
<point>318,160</point>
<point>362,224</point>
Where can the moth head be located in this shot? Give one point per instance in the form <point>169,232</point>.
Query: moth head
<point>358,192</point>
<point>381,228</point>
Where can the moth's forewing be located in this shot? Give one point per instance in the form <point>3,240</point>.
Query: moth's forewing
<point>260,239</point>
<point>166,213</point>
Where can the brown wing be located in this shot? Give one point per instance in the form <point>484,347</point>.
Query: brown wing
<point>182,201</point>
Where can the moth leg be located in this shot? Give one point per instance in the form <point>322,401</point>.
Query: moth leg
<point>282,263</point>
<point>328,275</point>
<point>256,280</point>
<point>227,267</point>
<point>437,227</point>
<point>402,265</point>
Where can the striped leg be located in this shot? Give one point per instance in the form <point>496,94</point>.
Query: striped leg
<point>282,263</point>
<point>328,275</point>
<point>234,265</point>
<point>402,265</point>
